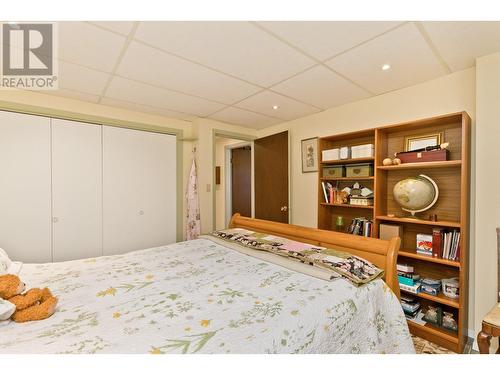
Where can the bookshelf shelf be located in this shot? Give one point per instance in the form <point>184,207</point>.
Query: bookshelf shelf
<point>444,337</point>
<point>449,224</point>
<point>346,205</point>
<point>348,161</point>
<point>440,298</point>
<point>426,258</point>
<point>428,165</point>
<point>347,178</point>
<point>452,207</point>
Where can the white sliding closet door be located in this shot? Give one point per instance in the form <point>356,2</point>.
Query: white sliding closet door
<point>139,190</point>
<point>25,187</point>
<point>76,190</point>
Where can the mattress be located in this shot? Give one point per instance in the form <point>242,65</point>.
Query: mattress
<point>202,297</point>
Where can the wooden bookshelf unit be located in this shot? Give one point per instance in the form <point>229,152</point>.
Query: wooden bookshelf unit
<point>451,209</point>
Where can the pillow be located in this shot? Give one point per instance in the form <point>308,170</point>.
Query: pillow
<point>6,309</point>
<point>5,262</point>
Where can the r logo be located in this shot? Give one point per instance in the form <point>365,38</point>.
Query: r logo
<point>28,49</point>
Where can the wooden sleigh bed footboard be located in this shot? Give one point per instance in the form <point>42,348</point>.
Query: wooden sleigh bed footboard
<point>382,253</point>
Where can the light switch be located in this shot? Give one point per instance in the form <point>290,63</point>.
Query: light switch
<point>209,188</point>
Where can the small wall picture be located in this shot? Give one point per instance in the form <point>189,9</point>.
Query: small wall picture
<point>310,155</point>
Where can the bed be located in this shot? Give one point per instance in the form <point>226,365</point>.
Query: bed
<point>201,296</point>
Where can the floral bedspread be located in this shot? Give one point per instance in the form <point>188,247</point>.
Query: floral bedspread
<point>340,264</point>
<point>201,297</point>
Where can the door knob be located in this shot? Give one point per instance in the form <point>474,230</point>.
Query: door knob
<point>55,219</point>
<point>284,209</point>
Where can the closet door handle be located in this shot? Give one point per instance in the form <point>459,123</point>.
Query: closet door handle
<point>55,219</point>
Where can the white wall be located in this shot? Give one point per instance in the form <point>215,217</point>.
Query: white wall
<point>487,182</point>
<point>451,93</point>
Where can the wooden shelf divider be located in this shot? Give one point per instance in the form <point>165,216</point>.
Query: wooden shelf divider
<point>409,220</point>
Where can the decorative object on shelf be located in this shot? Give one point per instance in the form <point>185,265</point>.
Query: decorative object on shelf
<point>309,155</point>
<point>363,151</point>
<point>449,322</point>
<point>387,161</point>
<point>345,152</point>
<point>427,154</point>
<point>419,142</point>
<point>424,244</point>
<point>451,287</point>
<point>416,194</point>
<point>433,315</point>
<point>330,155</point>
<point>359,170</point>
<point>334,171</point>
<point>396,161</point>
<point>341,197</point>
<point>339,223</point>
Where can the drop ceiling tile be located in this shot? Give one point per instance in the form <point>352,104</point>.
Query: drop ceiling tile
<point>79,78</point>
<point>134,92</point>
<point>411,60</point>
<point>325,39</point>
<point>237,48</point>
<point>242,117</point>
<point>85,44</point>
<point>146,108</point>
<point>71,94</point>
<point>151,65</point>
<point>121,27</point>
<point>459,43</point>
<point>289,109</point>
<point>321,87</point>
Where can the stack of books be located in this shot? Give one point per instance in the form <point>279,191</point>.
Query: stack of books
<point>430,286</point>
<point>446,243</point>
<point>329,192</point>
<point>361,226</point>
<point>408,280</point>
<point>410,306</point>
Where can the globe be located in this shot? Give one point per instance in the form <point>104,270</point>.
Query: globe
<point>416,194</point>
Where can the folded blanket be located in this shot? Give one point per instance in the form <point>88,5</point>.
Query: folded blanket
<point>340,264</point>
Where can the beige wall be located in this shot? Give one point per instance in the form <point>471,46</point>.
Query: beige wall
<point>452,93</point>
<point>487,182</point>
<point>205,131</point>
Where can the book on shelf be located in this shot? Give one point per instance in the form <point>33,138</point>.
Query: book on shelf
<point>361,226</point>
<point>414,289</point>
<point>329,192</point>
<point>404,268</point>
<point>441,244</point>
<point>408,278</point>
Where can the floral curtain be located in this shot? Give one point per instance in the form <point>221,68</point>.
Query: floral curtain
<point>193,225</point>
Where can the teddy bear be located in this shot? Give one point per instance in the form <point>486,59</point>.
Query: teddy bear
<point>35,304</point>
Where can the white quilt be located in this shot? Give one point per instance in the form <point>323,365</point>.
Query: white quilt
<point>200,297</point>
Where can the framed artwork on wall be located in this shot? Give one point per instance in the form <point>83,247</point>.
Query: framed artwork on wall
<point>309,155</point>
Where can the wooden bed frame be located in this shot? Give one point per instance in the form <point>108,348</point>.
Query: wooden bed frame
<point>383,254</point>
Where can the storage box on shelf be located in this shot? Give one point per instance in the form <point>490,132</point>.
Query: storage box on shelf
<point>451,211</point>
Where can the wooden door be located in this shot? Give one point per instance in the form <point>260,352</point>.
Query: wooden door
<point>271,177</point>
<point>139,190</point>
<point>76,190</point>
<point>241,181</point>
<point>25,196</point>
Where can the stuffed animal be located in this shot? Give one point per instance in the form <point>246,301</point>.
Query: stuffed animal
<point>35,304</point>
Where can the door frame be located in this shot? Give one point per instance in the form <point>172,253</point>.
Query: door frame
<point>227,134</point>
<point>228,182</point>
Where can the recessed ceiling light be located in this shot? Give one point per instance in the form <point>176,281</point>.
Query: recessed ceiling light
<point>276,106</point>
<point>386,67</point>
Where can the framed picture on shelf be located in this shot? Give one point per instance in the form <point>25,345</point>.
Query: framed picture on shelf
<point>417,142</point>
<point>309,149</point>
